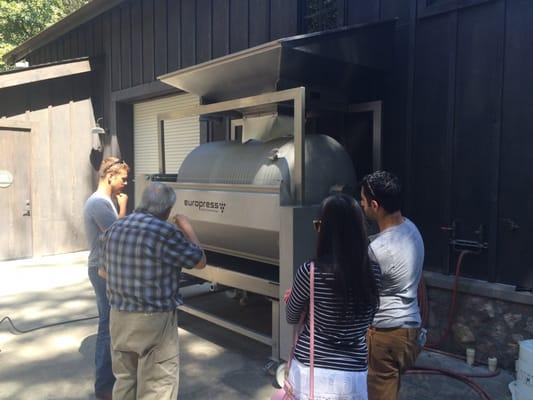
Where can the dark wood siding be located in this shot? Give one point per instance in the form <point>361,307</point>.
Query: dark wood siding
<point>457,104</point>
<point>205,30</point>
<point>477,123</point>
<point>174,35</point>
<point>515,208</point>
<point>136,43</point>
<point>221,27</point>
<point>259,29</point>
<point>125,45</point>
<point>160,38</point>
<point>284,18</point>
<point>116,50</point>
<point>362,11</point>
<point>148,40</point>
<point>188,33</point>
<point>98,37</point>
<point>433,125</point>
<point>239,28</point>
<point>142,39</point>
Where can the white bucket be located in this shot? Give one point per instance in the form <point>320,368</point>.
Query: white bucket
<point>524,371</point>
<point>517,392</point>
<point>525,354</point>
<point>512,389</point>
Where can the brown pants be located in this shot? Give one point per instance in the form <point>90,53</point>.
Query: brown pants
<point>390,353</point>
<point>144,351</point>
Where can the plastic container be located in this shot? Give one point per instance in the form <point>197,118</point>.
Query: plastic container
<point>517,392</point>
<point>470,356</point>
<point>524,371</point>
<point>525,354</point>
<point>492,363</point>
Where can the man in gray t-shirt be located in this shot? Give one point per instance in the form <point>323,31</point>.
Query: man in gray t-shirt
<point>399,250</point>
<point>99,214</point>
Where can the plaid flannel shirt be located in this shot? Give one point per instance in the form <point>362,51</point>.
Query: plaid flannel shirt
<point>143,256</point>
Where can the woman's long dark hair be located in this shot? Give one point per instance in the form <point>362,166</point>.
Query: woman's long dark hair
<point>342,248</point>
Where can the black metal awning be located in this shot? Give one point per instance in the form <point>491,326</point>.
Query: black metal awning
<point>336,59</point>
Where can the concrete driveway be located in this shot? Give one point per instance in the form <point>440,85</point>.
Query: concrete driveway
<point>57,362</point>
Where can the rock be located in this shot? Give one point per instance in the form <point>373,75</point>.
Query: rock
<point>512,319</point>
<point>498,332</point>
<point>463,334</point>
<point>529,325</point>
<point>489,309</point>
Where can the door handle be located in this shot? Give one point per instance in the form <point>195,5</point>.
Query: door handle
<point>27,213</point>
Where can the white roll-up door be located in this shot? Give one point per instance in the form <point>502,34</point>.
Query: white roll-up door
<point>181,136</point>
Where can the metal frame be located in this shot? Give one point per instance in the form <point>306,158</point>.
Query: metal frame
<point>245,282</point>
<point>228,325</point>
<point>376,108</point>
<point>296,95</point>
<point>224,276</point>
<point>234,123</point>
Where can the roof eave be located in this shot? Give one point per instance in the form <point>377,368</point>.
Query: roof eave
<point>70,22</point>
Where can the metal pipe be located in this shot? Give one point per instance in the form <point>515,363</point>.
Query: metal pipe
<point>195,290</point>
<point>299,147</point>
<point>160,145</point>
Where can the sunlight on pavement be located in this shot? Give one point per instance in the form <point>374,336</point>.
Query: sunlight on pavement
<point>55,345</point>
<point>202,350</point>
<point>30,276</point>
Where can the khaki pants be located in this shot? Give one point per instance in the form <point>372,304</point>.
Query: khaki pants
<point>390,353</point>
<point>144,351</point>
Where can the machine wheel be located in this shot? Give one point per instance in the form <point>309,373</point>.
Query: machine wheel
<point>270,367</point>
<point>280,374</point>
<point>243,301</point>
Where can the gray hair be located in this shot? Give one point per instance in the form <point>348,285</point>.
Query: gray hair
<point>157,199</point>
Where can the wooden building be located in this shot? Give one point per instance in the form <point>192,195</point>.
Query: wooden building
<point>457,107</point>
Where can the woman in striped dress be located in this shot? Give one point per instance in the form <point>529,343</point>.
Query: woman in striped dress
<point>346,298</point>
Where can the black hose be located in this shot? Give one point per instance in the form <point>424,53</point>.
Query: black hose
<point>22,331</point>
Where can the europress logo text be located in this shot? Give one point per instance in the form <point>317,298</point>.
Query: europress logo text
<point>211,206</point>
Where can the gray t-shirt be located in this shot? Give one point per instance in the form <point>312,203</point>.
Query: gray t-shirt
<point>399,251</point>
<point>98,214</point>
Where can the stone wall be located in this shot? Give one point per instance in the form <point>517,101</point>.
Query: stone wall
<point>492,327</point>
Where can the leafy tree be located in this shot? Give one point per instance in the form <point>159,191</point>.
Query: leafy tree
<point>21,20</point>
<point>69,6</point>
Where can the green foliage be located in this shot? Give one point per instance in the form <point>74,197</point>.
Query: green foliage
<point>21,20</point>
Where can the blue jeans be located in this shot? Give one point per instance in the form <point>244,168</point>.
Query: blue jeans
<point>104,378</point>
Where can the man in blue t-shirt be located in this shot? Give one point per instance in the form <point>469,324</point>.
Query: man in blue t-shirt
<point>99,213</point>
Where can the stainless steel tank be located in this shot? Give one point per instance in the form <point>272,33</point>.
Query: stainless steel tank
<point>232,192</point>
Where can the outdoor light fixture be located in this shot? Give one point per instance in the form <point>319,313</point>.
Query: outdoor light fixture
<point>98,130</point>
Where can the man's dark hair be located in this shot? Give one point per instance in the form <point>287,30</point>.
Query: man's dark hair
<point>384,188</point>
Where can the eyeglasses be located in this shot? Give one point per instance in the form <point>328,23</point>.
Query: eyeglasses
<point>317,223</point>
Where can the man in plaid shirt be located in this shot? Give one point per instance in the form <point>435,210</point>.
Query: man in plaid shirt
<point>142,255</point>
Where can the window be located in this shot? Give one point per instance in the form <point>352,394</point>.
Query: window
<point>429,8</point>
<point>320,15</point>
